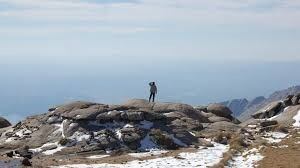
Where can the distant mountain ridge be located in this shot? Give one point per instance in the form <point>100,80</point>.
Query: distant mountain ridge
<point>238,106</point>
<point>243,108</point>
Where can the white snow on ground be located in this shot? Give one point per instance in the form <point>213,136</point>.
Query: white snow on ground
<point>16,163</point>
<point>274,137</point>
<point>128,126</point>
<point>192,133</point>
<point>48,152</point>
<point>274,117</point>
<point>79,136</point>
<point>146,154</point>
<point>97,156</point>
<point>146,124</point>
<point>281,146</point>
<point>297,118</point>
<point>147,144</point>
<point>60,128</point>
<point>119,134</point>
<point>51,152</point>
<point>246,160</point>
<point>9,139</point>
<point>201,159</point>
<point>39,149</point>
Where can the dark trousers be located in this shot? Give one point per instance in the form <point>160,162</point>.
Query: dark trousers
<point>152,95</point>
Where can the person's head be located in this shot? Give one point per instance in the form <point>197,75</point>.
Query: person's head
<point>153,83</point>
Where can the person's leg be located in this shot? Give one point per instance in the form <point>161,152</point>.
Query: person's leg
<point>153,97</point>
<point>150,97</point>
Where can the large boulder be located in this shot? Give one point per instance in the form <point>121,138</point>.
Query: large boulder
<point>109,116</point>
<point>186,123</point>
<point>106,139</point>
<point>169,107</point>
<point>4,123</point>
<point>270,110</point>
<point>138,103</point>
<point>219,110</point>
<point>69,127</point>
<point>80,110</point>
<point>132,136</point>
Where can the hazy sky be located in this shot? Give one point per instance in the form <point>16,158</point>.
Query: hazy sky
<point>198,51</point>
<point>148,31</point>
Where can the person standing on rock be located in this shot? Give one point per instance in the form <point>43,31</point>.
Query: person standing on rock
<point>153,91</point>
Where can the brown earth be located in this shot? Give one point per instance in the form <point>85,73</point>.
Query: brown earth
<point>287,157</point>
<point>47,161</point>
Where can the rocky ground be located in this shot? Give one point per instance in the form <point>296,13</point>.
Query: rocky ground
<point>142,134</point>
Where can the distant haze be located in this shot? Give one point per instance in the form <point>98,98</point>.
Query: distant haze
<point>31,89</point>
<point>54,51</point>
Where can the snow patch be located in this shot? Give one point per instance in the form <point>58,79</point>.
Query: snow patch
<point>128,126</point>
<point>80,136</point>
<point>146,124</point>
<point>16,163</point>
<point>51,152</point>
<point>274,137</point>
<point>201,159</point>
<point>97,156</point>
<point>48,152</point>
<point>147,144</point>
<point>10,139</point>
<point>297,119</point>
<point>192,133</point>
<point>248,159</point>
<point>119,135</point>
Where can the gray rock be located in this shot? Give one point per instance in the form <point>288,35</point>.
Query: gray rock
<point>288,100</point>
<point>54,119</point>
<point>69,127</point>
<point>26,162</point>
<point>106,139</point>
<point>80,110</point>
<point>86,114</point>
<point>139,103</point>
<point>163,139</point>
<point>109,116</point>
<point>219,110</point>
<point>132,116</point>
<point>186,123</point>
<point>268,123</point>
<point>152,116</point>
<point>201,108</point>
<point>4,123</point>
<point>174,115</point>
<point>24,152</point>
<point>132,136</point>
<point>218,119</point>
<point>269,111</point>
<point>49,147</point>
<point>295,99</point>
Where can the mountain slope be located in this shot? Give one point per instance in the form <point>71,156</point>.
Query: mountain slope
<point>276,96</point>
